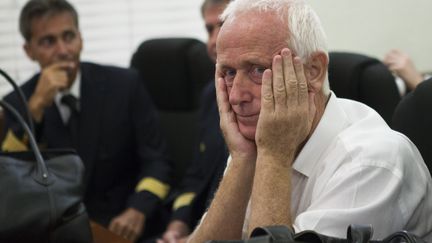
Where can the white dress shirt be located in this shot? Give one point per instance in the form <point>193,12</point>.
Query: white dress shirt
<point>355,170</point>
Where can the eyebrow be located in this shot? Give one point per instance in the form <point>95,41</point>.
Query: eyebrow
<point>258,61</point>
<point>45,37</point>
<point>224,66</point>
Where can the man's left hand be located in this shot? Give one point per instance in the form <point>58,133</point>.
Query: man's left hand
<point>287,108</point>
<point>129,224</point>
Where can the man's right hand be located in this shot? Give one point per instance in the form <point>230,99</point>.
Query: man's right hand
<point>238,146</point>
<point>52,79</point>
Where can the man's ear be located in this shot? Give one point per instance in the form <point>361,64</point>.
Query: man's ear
<point>28,50</point>
<point>316,70</point>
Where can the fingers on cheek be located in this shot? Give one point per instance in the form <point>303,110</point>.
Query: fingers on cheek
<point>267,80</point>
<point>267,91</point>
<point>221,84</point>
<point>278,80</point>
<point>298,65</point>
<point>222,96</point>
<point>287,62</point>
<point>219,81</point>
<point>219,89</point>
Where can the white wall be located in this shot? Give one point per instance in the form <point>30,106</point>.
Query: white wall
<point>375,26</point>
<point>112,29</point>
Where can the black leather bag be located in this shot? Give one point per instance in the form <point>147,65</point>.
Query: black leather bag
<point>41,194</point>
<point>355,234</point>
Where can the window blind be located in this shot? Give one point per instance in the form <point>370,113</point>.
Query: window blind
<point>111,30</point>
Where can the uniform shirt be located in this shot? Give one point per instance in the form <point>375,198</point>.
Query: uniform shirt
<point>355,170</point>
<point>203,175</point>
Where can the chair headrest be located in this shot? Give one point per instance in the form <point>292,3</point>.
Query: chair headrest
<point>346,71</point>
<point>413,118</point>
<point>365,79</point>
<point>174,71</point>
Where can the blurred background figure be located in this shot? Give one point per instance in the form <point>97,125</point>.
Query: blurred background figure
<point>202,177</point>
<point>102,112</point>
<point>407,75</point>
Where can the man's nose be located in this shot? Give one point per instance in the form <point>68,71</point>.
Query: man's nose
<point>62,47</point>
<point>240,91</point>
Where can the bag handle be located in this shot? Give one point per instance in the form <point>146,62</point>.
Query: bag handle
<point>403,236</point>
<point>22,99</point>
<point>359,233</point>
<point>41,173</point>
<point>277,233</point>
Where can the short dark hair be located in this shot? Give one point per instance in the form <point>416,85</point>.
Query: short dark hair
<point>40,8</point>
<point>208,3</point>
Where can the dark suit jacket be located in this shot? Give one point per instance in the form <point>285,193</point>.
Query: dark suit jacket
<point>119,140</point>
<point>203,176</point>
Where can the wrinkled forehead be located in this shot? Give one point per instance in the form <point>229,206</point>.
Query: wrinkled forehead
<point>252,29</point>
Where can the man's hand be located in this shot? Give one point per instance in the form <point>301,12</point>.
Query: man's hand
<point>400,63</point>
<point>285,122</point>
<point>129,224</point>
<point>177,232</point>
<point>287,109</point>
<point>238,146</point>
<point>52,79</point>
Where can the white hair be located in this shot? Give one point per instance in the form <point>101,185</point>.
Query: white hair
<point>306,34</point>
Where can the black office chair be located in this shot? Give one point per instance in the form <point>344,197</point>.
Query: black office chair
<point>413,118</point>
<point>365,79</point>
<point>174,71</point>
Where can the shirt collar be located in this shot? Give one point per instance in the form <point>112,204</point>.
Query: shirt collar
<point>332,122</point>
<point>76,86</point>
<point>73,90</point>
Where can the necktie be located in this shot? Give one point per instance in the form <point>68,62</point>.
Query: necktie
<point>73,123</point>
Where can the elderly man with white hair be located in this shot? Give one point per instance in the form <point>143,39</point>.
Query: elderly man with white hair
<point>300,156</point>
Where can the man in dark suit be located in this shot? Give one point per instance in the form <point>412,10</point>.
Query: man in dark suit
<point>103,112</point>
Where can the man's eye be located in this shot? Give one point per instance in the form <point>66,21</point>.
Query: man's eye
<point>47,42</point>
<point>229,76</point>
<point>256,73</point>
<point>69,36</point>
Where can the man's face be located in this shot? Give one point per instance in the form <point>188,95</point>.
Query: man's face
<point>245,48</point>
<point>55,38</point>
<point>213,24</point>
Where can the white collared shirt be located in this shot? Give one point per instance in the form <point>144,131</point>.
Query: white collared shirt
<point>75,91</point>
<point>356,170</point>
